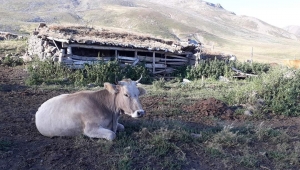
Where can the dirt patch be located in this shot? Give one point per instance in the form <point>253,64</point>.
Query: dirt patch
<point>210,107</point>
<point>23,147</point>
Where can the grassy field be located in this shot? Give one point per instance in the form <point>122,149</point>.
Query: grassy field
<point>13,47</point>
<point>185,126</point>
<point>180,132</point>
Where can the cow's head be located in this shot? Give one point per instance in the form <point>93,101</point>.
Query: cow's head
<point>127,97</point>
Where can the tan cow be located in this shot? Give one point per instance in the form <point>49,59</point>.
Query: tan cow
<point>92,113</point>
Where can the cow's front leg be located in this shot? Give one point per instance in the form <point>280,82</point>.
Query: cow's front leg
<point>120,127</point>
<point>94,131</point>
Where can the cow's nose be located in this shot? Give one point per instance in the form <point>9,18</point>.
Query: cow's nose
<point>140,113</point>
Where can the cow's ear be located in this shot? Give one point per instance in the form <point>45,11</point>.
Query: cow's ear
<point>142,91</point>
<point>111,88</point>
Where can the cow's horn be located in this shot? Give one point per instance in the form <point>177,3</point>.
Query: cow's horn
<point>139,79</point>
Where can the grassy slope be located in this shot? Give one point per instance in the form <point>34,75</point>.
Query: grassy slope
<point>213,26</point>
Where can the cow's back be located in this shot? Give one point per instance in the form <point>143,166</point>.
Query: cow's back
<point>58,117</point>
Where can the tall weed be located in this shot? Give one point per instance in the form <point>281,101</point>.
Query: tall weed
<point>55,73</point>
<point>279,88</point>
<point>216,68</point>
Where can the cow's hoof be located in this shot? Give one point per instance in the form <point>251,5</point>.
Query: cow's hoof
<point>111,136</point>
<point>120,127</point>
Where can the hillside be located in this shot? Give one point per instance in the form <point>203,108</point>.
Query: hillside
<point>294,29</point>
<point>220,30</point>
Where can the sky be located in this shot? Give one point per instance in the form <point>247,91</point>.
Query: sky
<point>280,13</point>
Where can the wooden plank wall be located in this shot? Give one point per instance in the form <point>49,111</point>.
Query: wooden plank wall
<point>159,63</point>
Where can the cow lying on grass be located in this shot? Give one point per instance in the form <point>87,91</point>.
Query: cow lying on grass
<point>92,113</point>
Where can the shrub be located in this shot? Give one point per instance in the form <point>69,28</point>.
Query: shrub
<point>252,68</point>
<point>47,72</point>
<point>216,68</point>
<point>55,73</point>
<point>11,61</point>
<point>98,73</point>
<point>159,84</point>
<point>279,92</point>
<point>135,72</point>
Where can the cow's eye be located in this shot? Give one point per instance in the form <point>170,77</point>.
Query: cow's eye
<point>126,95</point>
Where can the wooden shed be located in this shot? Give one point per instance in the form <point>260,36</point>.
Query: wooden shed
<point>76,46</point>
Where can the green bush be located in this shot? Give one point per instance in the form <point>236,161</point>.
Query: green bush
<point>216,68</point>
<point>212,69</point>
<point>252,68</point>
<point>11,61</point>
<point>159,84</point>
<point>279,88</point>
<point>97,74</point>
<point>55,73</point>
<point>47,72</point>
<point>135,72</point>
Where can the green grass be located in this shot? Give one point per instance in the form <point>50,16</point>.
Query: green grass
<point>271,92</point>
<point>166,139</point>
<point>5,145</point>
<point>12,47</point>
<point>169,145</point>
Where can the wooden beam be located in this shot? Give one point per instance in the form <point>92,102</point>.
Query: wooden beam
<point>166,70</point>
<point>155,66</point>
<point>153,62</point>
<point>148,59</point>
<point>179,55</point>
<point>110,48</point>
<point>177,63</point>
<point>76,57</point>
<point>55,45</point>
<point>64,45</point>
<point>58,39</point>
<point>182,60</point>
<point>135,62</point>
<point>126,58</point>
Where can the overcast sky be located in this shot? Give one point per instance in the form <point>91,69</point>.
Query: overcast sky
<point>279,13</point>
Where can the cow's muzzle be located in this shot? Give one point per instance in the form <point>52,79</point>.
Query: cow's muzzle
<point>138,113</point>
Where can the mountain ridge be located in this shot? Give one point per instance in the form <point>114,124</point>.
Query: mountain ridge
<point>294,29</point>
<point>217,28</point>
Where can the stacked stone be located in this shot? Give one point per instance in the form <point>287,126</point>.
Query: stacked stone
<point>42,49</point>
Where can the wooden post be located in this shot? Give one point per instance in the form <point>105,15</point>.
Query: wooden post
<point>165,64</point>
<point>69,50</point>
<point>188,59</point>
<point>135,54</point>
<point>197,57</point>
<point>61,55</point>
<point>153,63</point>
<point>55,45</point>
<point>64,44</point>
<point>116,55</point>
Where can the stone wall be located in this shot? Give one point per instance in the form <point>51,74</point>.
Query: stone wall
<point>42,49</point>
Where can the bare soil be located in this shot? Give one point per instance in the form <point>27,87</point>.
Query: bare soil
<point>23,147</point>
<point>210,107</point>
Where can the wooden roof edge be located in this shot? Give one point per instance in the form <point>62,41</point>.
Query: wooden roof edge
<point>58,39</point>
